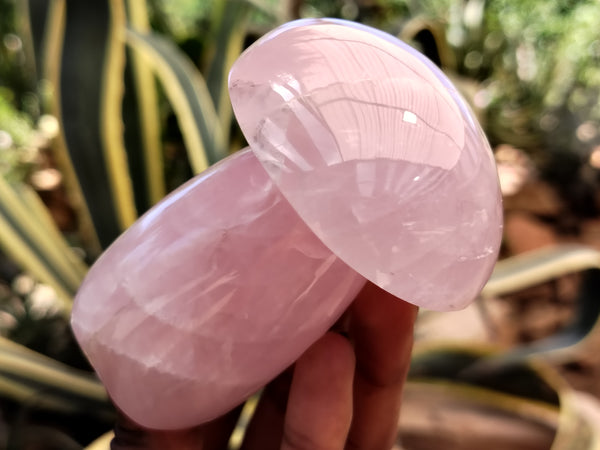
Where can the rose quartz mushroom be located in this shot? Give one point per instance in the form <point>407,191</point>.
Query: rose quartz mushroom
<point>364,164</point>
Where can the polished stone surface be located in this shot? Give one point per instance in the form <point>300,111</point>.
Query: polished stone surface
<point>365,163</point>
<point>208,296</point>
<point>378,153</point>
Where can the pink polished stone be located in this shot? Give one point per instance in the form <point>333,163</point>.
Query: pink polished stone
<point>371,158</point>
<point>207,297</point>
<point>378,154</point>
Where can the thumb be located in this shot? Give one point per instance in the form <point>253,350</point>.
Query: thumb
<point>319,409</point>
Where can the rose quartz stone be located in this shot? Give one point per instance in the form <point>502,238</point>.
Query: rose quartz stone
<point>378,154</point>
<point>208,296</point>
<point>365,164</point>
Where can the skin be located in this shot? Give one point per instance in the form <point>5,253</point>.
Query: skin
<point>344,392</point>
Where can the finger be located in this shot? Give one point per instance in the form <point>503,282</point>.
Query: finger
<point>265,430</point>
<point>382,331</point>
<point>210,436</point>
<point>319,408</point>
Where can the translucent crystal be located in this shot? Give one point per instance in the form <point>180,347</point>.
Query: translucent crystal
<point>378,153</point>
<point>365,163</point>
<point>208,296</point>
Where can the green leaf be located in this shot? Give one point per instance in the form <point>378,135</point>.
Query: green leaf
<point>28,234</point>
<point>536,267</point>
<point>111,123</point>
<point>456,363</point>
<point>141,117</point>
<point>528,269</point>
<point>187,91</point>
<point>21,252</point>
<point>229,28</point>
<point>91,92</point>
<point>37,11</point>
<point>27,375</point>
<point>50,51</point>
<point>40,213</point>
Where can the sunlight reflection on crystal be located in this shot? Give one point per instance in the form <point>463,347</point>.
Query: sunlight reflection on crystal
<point>409,117</point>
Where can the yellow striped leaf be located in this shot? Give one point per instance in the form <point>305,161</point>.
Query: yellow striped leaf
<point>187,91</point>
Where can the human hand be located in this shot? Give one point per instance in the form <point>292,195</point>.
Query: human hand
<point>342,393</point>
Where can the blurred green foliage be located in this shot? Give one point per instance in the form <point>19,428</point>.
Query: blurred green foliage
<point>16,123</point>
<point>17,66</point>
<point>16,132</point>
<point>545,77</point>
<point>537,62</point>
